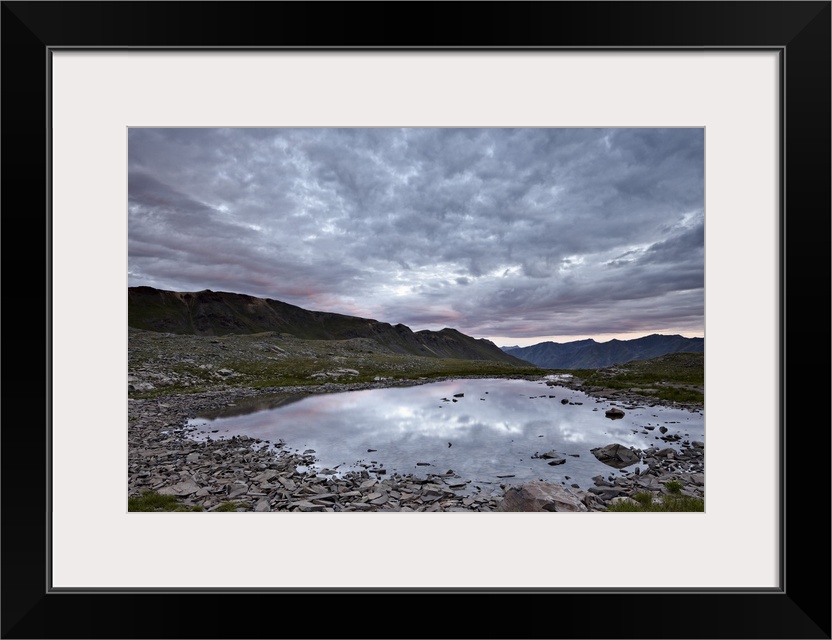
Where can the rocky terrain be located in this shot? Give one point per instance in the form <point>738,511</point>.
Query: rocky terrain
<point>256,477</point>
<point>166,363</point>
<point>173,377</point>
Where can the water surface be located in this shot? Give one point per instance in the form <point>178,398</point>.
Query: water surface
<point>493,433</point>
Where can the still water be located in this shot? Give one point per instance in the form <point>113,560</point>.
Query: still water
<point>495,432</point>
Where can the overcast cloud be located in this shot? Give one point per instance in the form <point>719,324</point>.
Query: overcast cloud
<point>516,235</point>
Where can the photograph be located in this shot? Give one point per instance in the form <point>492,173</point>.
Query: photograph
<point>416,319</point>
<point>414,284</point>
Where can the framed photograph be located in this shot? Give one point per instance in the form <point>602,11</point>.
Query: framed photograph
<point>78,78</point>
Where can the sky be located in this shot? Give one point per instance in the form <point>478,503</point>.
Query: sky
<point>519,235</point>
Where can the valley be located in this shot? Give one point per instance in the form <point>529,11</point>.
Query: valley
<point>173,377</point>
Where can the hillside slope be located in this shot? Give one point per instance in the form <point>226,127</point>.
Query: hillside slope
<point>213,313</point>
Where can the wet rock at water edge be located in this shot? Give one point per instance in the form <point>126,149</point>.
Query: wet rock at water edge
<point>553,457</point>
<point>616,455</point>
<point>541,496</point>
<point>614,413</point>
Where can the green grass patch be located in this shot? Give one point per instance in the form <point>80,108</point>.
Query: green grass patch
<point>153,501</point>
<point>299,371</point>
<point>674,394</point>
<point>644,502</point>
<point>667,377</point>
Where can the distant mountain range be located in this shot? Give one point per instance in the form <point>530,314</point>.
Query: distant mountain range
<point>215,313</point>
<point>589,354</point>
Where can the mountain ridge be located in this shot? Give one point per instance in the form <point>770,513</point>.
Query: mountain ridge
<point>589,354</point>
<point>218,313</point>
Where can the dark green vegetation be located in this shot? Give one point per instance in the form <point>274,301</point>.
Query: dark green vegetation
<point>211,313</point>
<point>391,367</point>
<point>152,501</point>
<point>675,377</point>
<point>589,354</point>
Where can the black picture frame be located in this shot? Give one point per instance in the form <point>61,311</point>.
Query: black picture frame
<point>799,31</point>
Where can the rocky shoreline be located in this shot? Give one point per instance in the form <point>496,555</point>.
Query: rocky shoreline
<point>242,474</point>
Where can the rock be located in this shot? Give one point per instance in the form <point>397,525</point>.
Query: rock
<point>564,401</point>
<point>601,481</point>
<point>616,455</point>
<point>541,496</point>
<point>305,505</point>
<point>614,413</point>
<point>262,505</point>
<point>557,461</point>
<point>237,490</point>
<point>184,488</point>
<point>607,493</point>
<point>287,483</point>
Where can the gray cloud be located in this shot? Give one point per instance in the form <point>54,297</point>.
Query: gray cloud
<point>496,232</point>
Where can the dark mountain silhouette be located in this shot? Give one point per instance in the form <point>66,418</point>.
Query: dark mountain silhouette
<point>589,354</point>
<point>216,313</point>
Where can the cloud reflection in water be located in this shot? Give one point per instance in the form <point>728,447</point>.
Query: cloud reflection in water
<point>495,429</point>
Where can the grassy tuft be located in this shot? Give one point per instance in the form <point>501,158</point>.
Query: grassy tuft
<point>153,501</point>
<point>645,502</point>
<point>674,486</point>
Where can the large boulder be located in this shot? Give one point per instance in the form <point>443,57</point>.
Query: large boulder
<point>616,455</point>
<point>541,496</point>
